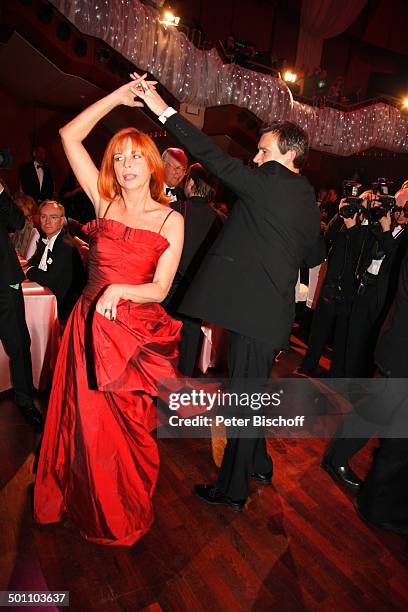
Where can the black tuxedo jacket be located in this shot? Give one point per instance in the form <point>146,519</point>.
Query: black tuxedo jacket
<point>390,270</point>
<point>247,280</point>
<point>65,275</point>
<point>30,184</point>
<point>199,218</point>
<point>391,353</point>
<point>201,227</point>
<point>180,195</point>
<point>11,219</point>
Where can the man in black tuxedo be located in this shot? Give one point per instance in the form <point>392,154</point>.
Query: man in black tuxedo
<point>391,355</point>
<point>246,283</point>
<point>14,334</point>
<point>383,498</point>
<point>57,264</point>
<point>36,177</point>
<point>201,226</point>
<point>175,163</point>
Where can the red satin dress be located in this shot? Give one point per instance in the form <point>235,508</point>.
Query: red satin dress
<point>99,461</point>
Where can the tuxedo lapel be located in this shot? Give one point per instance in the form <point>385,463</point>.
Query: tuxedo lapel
<point>35,175</point>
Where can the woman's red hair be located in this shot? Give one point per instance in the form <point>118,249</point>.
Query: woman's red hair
<point>109,187</point>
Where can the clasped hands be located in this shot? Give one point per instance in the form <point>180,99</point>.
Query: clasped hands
<point>108,302</point>
<point>146,91</point>
<point>139,92</point>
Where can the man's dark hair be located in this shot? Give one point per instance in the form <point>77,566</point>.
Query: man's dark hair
<point>291,137</point>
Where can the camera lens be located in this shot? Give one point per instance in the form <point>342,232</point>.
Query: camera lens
<point>347,211</point>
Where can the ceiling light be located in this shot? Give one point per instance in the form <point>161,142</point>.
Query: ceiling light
<point>289,76</point>
<point>170,19</point>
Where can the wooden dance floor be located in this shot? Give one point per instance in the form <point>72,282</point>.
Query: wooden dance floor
<point>298,545</point>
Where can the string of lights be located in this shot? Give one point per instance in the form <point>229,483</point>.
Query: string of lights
<point>199,77</point>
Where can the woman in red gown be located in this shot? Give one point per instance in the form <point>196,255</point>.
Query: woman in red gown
<point>98,461</point>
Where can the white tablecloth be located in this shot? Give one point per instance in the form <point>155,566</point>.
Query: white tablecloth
<point>316,278</point>
<point>214,349</point>
<point>43,325</point>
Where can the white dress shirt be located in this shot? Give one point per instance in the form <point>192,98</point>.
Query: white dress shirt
<point>172,196</point>
<point>46,259</point>
<point>169,112</point>
<point>40,172</point>
<point>375,265</point>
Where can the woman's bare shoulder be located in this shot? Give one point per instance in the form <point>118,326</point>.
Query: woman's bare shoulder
<point>103,206</point>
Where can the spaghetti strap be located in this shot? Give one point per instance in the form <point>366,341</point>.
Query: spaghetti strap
<point>106,210</point>
<point>167,216</point>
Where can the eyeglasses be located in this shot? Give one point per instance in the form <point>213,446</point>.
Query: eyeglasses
<point>52,217</point>
<point>175,168</point>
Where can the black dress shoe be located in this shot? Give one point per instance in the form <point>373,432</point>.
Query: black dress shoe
<point>212,495</point>
<point>265,478</point>
<point>342,474</point>
<point>33,416</point>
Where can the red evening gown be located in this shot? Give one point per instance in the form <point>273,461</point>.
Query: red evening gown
<point>99,461</point>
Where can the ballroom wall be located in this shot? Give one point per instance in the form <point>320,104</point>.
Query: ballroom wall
<point>375,42</point>
<point>323,169</point>
<point>265,23</point>
<point>25,124</point>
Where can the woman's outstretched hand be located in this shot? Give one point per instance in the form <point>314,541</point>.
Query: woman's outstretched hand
<point>125,94</point>
<point>146,91</point>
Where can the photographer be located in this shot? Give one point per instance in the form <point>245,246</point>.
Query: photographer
<point>375,268</point>
<point>382,412</point>
<point>365,321</point>
<point>383,499</point>
<point>354,245</point>
<point>335,301</point>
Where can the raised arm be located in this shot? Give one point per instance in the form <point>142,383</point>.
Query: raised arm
<point>231,171</point>
<point>77,130</point>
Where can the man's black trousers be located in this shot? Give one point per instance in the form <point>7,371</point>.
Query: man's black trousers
<point>16,341</point>
<point>249,359</point>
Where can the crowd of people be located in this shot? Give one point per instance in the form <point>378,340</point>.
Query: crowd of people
<point>313,84</point>
<point>138,255</point>
<point>247,55</point>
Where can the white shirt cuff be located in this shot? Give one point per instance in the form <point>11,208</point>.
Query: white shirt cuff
<point>169,112</point>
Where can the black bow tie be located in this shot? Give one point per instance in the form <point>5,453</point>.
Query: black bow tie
<point>170,191</point>
<point>37,165</point>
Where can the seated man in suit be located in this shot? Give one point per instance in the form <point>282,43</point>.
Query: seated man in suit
<point>201,227</point>
<point>14,334</point>
<point>175,166</point>
<point>56,263</point>
<point>36,177</point>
